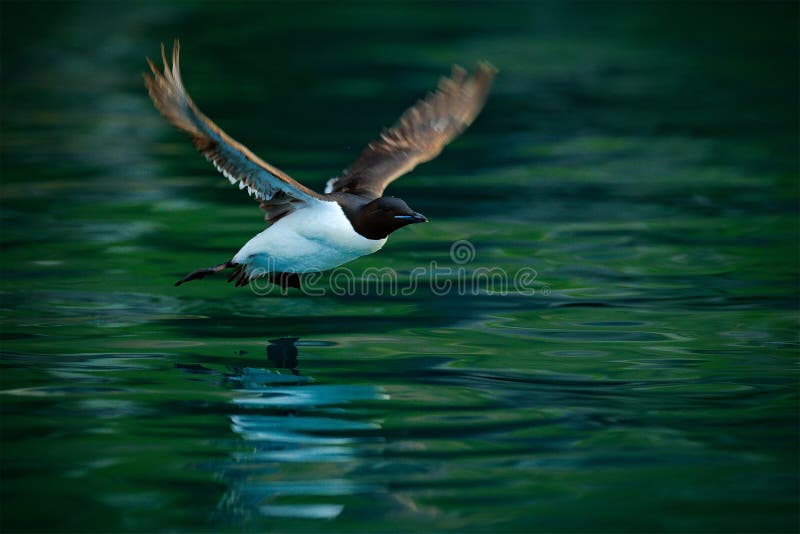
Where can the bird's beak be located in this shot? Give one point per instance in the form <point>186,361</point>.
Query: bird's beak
<point>414,218</point>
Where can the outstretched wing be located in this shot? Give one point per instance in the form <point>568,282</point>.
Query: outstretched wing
<point>420,134</point>
<point>278,193</point>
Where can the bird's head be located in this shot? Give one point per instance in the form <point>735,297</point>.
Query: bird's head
<point>384,215</point>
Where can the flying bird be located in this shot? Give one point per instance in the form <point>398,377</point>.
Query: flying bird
<point>309,231</point>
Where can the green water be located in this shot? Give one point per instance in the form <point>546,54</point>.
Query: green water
<point>641,158</point>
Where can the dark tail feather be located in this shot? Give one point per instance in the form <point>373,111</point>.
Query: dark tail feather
<point>202,273</point>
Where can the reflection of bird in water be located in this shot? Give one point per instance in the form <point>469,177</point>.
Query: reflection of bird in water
<point>282,353</point>
<point>303,442</point>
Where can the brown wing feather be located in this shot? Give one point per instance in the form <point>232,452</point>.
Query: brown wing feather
<point>420,134</point>
<point>277,192</point>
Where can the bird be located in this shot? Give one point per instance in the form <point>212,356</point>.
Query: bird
<point>308,231</point>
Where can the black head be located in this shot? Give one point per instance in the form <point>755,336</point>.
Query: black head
<point>384,215</point>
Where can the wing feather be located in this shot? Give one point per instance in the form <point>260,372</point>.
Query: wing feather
<point>420,134</point>
<point>268,184</point>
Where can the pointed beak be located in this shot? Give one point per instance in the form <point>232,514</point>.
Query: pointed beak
<point>414,218</point>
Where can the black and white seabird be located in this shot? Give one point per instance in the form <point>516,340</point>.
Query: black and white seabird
<point>308,231</point>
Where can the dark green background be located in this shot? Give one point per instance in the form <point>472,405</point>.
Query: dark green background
<point>641,157</point>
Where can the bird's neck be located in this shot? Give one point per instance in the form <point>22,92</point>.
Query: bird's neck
<point>353,208</point>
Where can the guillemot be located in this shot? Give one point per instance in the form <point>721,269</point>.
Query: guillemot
<point>308,231</point>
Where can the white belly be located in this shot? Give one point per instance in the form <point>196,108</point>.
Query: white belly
<point>315,238</point>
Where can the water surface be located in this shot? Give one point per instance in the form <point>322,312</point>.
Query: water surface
<point>640,158</point>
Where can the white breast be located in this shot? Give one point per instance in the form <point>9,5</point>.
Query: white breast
<point>315,238</point>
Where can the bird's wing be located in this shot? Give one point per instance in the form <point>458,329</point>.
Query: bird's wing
<point>277,192</point>
<point>419,135</point>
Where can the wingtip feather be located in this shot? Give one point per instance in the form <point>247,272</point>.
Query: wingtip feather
<point>176,62</point>
<point>484,73</point>
<point>164,57</point>
<point>486,66</point>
